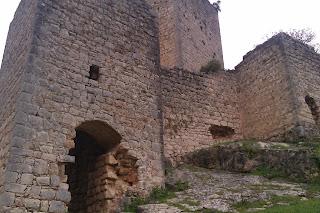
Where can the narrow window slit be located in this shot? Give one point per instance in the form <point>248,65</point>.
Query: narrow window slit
<point>94,72</point>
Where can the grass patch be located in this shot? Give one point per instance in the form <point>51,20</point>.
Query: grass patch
<point>191,202</point>
<point>309,206</point>
<point>178,186</point>
<point>133,205</point>
<point>158,195</point>
<point>269,173</point>
<point>251,148</point>
<point>280,146</point>
<point>275,201</point>
<point>262,187</point>
<point>313,189</point>
<point>245,205</point>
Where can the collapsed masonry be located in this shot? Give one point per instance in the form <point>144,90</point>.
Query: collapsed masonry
<point>96,95</point>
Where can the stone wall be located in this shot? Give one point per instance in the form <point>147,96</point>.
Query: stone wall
<point>266,95</point>
<point>11,90</point>
<point>189,33</point>
<point>275,81</point>
<point>304,69</point>
<point>192,104</point>
<point>120,37</point>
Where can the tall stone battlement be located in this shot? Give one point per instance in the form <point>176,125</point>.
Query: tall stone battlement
<point>189,33</point>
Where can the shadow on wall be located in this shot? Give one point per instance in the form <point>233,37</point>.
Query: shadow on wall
<point>218,132</point>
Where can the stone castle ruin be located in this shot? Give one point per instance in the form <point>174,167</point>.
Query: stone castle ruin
<point>96,95</point>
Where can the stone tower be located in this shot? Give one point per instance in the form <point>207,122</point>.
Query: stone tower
<point>79,85</point>
<point>189,33</point>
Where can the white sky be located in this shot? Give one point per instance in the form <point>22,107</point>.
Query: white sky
<point>244,23</point>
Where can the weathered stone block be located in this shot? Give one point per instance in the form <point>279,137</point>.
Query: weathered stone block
<point>44,206</point>
<point>15,188</point>
<point>47,194</point>
<point>110,160</point>
<point>43,181</point>
<point>11,177</point>
<point>27,179</point>
<point>7,199</point>
<point>32,204</point>
<point>63,195</point>
<point>55,181</point>
<point>57,207</point>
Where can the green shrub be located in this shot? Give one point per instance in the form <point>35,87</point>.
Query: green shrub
<point>178,186</point>
<point>250,148</point>
<point>213,66</point>
<point>158,195</point>
<point>308,206</point>
<point>294,204</point>
<point>133,205</point>
<point>270,173</point>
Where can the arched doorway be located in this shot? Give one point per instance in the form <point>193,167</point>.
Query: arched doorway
<point>313,108</point>
<point>102,171</point>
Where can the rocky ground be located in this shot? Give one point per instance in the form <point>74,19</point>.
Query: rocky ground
<point>216,191</point>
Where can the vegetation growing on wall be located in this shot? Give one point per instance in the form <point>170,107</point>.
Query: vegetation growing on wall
<point>213,66</point>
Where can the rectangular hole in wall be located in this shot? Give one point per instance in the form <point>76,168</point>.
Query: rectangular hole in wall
<point>94,72</point>
<point>221,131</point>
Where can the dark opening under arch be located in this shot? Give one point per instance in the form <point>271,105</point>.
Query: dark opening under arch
<point>313,108</point>
<point>102,169</point>
<point>103,134</point>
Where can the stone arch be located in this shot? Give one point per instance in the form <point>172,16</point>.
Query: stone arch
<point>103,170</point>
<point>314,108</point>
<point>102,133</point>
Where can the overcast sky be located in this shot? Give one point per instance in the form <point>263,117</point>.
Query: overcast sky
<point>244,23</point>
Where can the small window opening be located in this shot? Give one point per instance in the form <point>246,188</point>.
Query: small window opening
<point>313,108</point>
<point>94,72</point>
<point>221,131</point>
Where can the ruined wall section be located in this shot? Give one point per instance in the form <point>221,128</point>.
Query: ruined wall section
<point>304,69</point>
<point>199,35</point>
<point>11,89</point>
<point>121,38</point>
<point>266,95</point>
<point>192,104</point>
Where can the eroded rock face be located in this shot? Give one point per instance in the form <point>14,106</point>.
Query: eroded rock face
<point>298,162</point>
